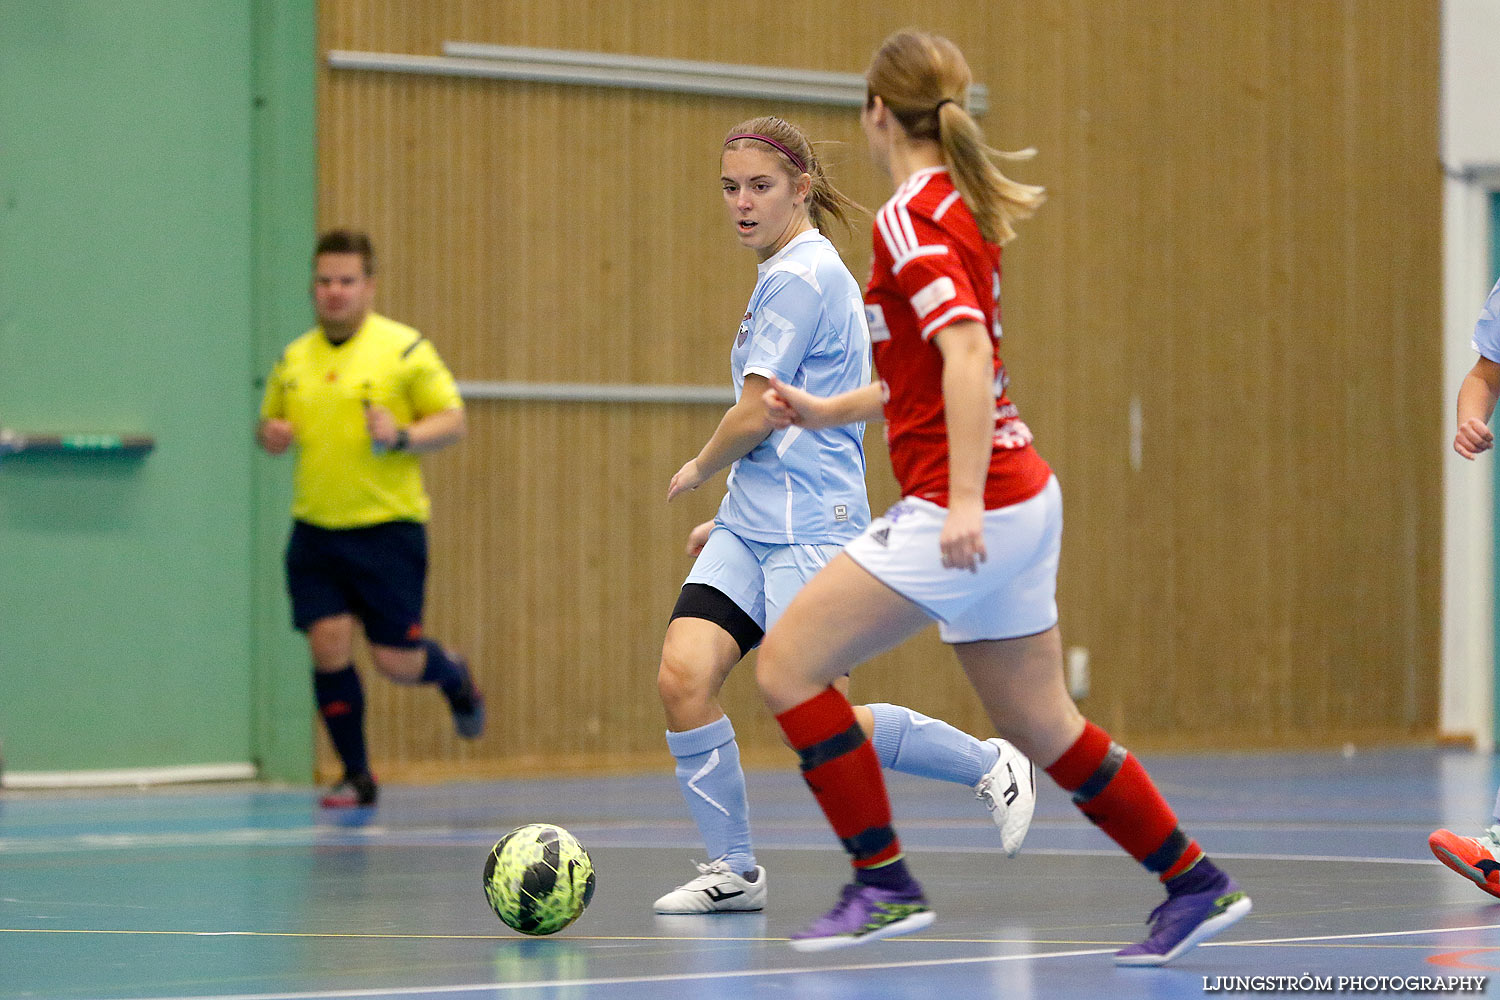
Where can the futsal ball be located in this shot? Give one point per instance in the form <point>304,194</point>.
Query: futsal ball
<point>539,878</point>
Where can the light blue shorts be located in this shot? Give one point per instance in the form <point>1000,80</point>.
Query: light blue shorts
<point>760,578</point>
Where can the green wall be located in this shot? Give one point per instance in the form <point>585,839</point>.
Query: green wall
<point>284,209</point>
<point>131,202</point>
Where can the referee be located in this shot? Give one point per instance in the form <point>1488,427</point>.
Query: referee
<point>361,397</point>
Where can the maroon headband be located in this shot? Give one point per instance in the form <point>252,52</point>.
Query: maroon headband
<point>796,160</point>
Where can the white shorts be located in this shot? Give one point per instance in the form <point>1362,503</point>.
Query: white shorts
<point>1013,594</point>
<point>759,577</point>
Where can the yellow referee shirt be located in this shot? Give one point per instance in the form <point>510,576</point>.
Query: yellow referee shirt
<point>321,388</point>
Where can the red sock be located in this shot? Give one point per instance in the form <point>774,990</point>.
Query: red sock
<point>841,768</point>
<point>1117,795</point>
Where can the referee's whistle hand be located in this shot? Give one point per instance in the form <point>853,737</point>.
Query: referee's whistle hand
<point>276,436</point>
<point>381,424</point>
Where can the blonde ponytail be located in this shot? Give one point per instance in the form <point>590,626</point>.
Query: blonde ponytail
<point>995,201</point>
<point>924,80</point>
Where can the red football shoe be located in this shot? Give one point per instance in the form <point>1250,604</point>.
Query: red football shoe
<point>1471,857</point>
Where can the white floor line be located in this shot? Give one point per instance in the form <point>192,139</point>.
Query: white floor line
<point>761,973</point>
<point>1069,852</point>
<point>417,991</point>
<point>1353,937</point>
<point>560,984</point>
<point>1241,856</point>
<point>458,837</point>
<point>1232,826</point>
<point>237,837</point>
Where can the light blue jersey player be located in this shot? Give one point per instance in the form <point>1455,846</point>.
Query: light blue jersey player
<point>1479,391</point>
<point>794,498</point>
<point>1477,858</point>
<point>1487,331</point>
<point>805,322</point>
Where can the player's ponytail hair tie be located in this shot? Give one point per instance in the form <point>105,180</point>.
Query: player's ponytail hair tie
<point>796,160</point>
<point>946,100</point>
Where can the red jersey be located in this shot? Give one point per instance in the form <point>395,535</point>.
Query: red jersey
<point>932,268</point>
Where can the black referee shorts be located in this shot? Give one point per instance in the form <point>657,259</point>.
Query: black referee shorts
<point>377,573</point>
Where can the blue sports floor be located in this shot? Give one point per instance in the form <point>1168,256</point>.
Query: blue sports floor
<point>248,891</point>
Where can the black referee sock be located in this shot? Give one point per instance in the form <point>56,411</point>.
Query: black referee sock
<point>341,703</point>
<point>447,673</point>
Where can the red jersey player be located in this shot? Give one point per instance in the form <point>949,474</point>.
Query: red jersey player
<point>931,269</point>
<point>974,542</point>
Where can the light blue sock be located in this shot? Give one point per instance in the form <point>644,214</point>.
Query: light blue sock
<point>912,743</point>
<point>708,770</point>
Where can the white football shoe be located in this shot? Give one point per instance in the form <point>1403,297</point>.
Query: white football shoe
<point>1008,790</point>
<point>716,890</point>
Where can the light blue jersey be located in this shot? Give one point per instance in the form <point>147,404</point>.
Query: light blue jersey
<point>1487,331</point>
<point>806,325</point>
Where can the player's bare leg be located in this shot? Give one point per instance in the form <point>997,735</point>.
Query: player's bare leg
<point>1020,683</point>
<point>843,617</point>
<point>696,658</point>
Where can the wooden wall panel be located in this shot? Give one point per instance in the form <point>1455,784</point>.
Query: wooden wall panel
<point>1242,237</point>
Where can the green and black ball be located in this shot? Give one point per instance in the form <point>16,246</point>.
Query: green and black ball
<point>539,878</point>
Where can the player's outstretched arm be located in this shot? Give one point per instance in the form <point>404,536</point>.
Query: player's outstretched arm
<point>1476,404</point>
<point>786,406</point>
<point>743,426</point>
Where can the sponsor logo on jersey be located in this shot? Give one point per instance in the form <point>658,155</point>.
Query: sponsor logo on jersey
<point>935,294</point>
<point>841,512</point>
<point>739,341</point>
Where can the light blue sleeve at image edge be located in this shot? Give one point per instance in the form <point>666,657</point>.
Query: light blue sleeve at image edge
<point>1487,331</point>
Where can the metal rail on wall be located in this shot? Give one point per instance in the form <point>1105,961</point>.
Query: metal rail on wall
<point>584,392</point>
<point>603,69</point>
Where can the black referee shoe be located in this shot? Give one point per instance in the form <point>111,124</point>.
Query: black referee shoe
<point>355,791</point>
<point>467,705</point>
